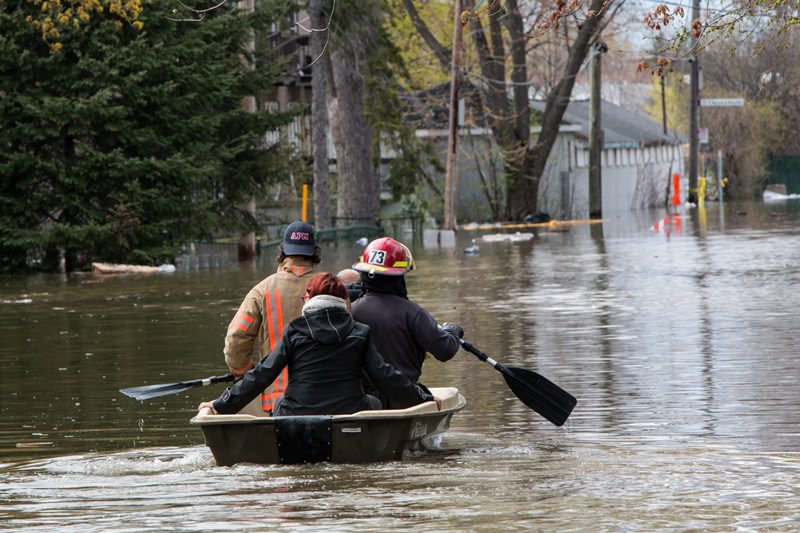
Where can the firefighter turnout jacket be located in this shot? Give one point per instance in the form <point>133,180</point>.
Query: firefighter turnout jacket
<point>258,325</point>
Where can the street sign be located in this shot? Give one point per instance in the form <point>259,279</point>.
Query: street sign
<point>721,102</point>
<point>702,135</point>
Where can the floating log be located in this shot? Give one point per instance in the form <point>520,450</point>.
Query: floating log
<point>116,268</point>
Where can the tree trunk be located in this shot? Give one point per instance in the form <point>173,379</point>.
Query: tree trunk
<point>523,198</point>
<point>358,192</point>
<point>508,120</point>
<point>523,159</point>
<point>247,240</point>
<point>319,118</point>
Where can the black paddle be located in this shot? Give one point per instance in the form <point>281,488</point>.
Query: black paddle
<point>534,390</point>
<point>165,389</point>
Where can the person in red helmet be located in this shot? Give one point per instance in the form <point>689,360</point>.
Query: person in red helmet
<point>402,330</point>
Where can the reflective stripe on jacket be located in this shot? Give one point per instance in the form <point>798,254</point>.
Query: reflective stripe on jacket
<point>258,324</point>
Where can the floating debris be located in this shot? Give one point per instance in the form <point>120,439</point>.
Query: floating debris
<point>472,250</point>
<point>20,301</point>
<point>508,237</point>
<point>35,444</point>
<point>537,218</point>
<point>113,268</point>
<point>773,196</point>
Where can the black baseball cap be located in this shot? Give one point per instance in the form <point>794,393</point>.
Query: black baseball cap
<point>299,239</point>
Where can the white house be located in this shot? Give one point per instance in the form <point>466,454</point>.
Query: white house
<point>637,162</point>
<point>638,158</point>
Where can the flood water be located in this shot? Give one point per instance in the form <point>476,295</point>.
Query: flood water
<point>680,343</point>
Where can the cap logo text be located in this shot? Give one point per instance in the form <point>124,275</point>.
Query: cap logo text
<point>300,236</point>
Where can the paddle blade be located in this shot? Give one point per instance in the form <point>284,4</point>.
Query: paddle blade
<point>540,394</point>
<point>165,389</point>
<point>154,391</point>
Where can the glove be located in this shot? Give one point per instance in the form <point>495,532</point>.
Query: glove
<point>424,393</point>
<point>453,329</point>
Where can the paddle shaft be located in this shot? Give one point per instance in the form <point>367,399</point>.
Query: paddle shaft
<point>508,374</point>
<point>210,381</point>
<point>468,346</point>
<point>194,382</point>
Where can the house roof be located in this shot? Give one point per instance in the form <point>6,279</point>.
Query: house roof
<point>622,128</point>
<point>429,109</point>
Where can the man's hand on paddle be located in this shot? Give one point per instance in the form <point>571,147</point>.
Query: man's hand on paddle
<point>453,329</point>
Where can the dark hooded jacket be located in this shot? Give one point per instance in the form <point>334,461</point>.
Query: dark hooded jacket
<point>326,352</point>
<point>403,330</point>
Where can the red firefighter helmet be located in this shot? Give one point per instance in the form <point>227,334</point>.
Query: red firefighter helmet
<point>385,256</point>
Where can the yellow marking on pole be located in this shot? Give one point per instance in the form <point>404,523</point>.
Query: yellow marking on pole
<point>305,202</point>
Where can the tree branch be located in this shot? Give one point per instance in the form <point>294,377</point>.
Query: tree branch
<point>443,54</point>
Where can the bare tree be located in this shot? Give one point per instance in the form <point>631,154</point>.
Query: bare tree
<point>501,39</point>
<point>763,73</point>
<point>767,77</point>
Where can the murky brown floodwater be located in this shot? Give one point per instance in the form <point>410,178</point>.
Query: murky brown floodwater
<point>682,349</point>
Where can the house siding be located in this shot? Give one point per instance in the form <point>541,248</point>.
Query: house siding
<point>632,178</point>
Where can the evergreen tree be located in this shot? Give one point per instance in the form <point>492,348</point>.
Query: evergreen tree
<point>126,143</point>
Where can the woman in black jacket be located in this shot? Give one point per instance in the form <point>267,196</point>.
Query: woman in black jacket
<point>326,352</point>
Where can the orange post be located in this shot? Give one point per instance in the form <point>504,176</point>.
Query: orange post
<point>676,189</point>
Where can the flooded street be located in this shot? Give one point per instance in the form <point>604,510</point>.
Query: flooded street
<point>679,338</point>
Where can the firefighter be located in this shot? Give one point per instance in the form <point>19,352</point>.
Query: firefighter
<point>269,306</point>
<point>327,352</point>
<point>402,330</point>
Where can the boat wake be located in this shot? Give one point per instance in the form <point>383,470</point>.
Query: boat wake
<point>135,462</point>
<point>430,446</point>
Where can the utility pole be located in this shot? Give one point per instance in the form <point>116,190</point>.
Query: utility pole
<point>694,110</point>
<point>720,183</point>
<point>663,106</point>
<point>596,136</point>
<point>451,178</point>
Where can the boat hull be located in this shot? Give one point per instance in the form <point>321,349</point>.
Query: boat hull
<point>367,436</point>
